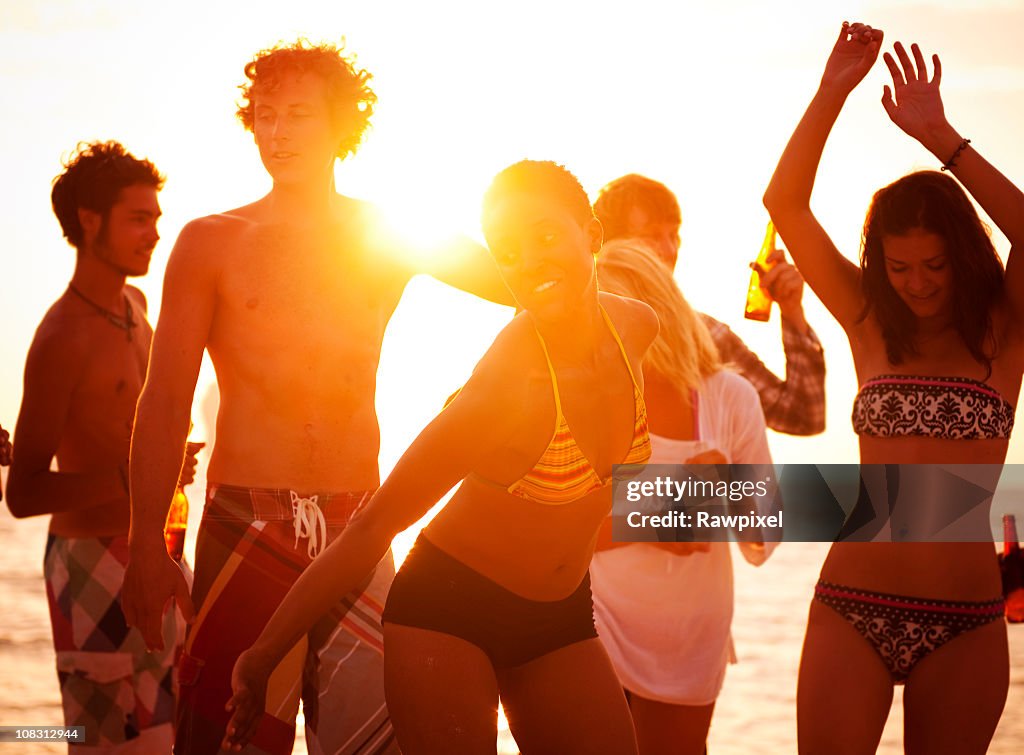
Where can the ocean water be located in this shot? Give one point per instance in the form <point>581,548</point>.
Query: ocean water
<point>755,712</point>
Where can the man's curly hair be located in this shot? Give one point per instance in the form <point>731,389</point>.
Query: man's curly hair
<point>92,179</point>
<point>348,90</point>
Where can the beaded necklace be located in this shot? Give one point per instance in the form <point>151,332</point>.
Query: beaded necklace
<point>126,323</point>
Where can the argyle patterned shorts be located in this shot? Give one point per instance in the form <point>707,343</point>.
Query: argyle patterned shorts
<point>108,682</point>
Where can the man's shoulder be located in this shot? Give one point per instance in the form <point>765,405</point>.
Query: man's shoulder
<point>350,215</point>
<point>369,227</point>
<point>356,209</point>
<point>204,241</point>
<point>59,338</point>
<point>371,242</point>
<point>217,224</point>
<point>135,294</point>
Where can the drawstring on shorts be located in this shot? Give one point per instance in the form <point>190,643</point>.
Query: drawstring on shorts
<point>309,523</point>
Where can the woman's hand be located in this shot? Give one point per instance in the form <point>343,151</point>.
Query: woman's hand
<point>852,57</point>
<point>917,105</point>
<point>249,688</point>
<point>710,456</point>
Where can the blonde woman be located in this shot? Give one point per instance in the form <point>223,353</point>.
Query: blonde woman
<point>663,610</point>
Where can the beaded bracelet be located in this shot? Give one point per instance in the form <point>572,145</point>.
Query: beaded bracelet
<point>951,162</point>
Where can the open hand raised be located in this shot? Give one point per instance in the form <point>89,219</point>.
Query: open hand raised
<point>852,57</point>
<point>917,105</point>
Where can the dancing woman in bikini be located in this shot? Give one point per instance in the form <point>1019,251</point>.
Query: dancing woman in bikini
<point>933,324</point>
<point>494,598</point>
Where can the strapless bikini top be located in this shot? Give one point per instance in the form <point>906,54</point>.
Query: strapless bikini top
<point>936,407</point>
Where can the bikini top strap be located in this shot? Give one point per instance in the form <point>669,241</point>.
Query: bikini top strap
<point>622,349</point>
<point>554,380</point>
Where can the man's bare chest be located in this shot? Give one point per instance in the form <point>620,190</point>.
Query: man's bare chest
<point>306,300</point>
<point>113,375</point>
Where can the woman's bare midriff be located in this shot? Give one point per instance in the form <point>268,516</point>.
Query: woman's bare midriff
<point>947,571</point>
<point>540,552</point>
<point>942,570</point>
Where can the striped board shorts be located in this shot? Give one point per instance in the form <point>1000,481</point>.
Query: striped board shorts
<point>251,547</point>
<point>122,694</point>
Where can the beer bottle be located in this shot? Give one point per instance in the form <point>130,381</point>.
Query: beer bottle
<point>1011,566</point>
<point>174,529</point>
<point>759,301</point>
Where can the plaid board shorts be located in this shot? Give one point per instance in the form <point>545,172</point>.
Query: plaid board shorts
<point>109,683</point>
<point>252,545</point>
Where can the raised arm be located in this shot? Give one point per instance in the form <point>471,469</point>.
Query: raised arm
<point>161,426</point>
<point>464,264</point>
<point>834,278</point>
<point>456,260</point>
<point>472,428</point>
<point>915,105</point>
<point>795,404</point>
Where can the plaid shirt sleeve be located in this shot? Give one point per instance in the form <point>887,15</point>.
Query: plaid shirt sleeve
<point>795,405</point>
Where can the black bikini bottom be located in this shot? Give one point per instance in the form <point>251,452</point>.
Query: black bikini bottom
<point>437,592</point>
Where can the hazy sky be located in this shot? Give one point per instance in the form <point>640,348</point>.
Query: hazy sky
<point>702,97</point>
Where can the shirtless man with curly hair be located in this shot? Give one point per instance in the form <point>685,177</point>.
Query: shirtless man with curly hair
<point>291,296</point>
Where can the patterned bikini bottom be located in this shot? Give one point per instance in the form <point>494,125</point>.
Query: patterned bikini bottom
<point>904,630</point>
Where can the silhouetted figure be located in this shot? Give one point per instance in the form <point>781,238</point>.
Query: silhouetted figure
<point>637,207</point>
<point>83,375</point>
<point>290,295</point>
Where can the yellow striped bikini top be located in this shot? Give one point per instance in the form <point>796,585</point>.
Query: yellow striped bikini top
<point>563,474</point>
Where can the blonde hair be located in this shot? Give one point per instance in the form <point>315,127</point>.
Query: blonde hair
<point>683,350</point>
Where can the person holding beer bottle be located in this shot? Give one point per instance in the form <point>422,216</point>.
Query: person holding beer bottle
<point>637,207</point>
<point>83,376</point>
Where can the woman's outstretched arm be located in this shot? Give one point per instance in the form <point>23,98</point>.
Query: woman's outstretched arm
<point>834,278</point>
<point>915,105</point>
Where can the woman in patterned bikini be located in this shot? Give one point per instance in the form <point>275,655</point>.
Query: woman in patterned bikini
<point>933,326</point>
<point>494,598</point>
